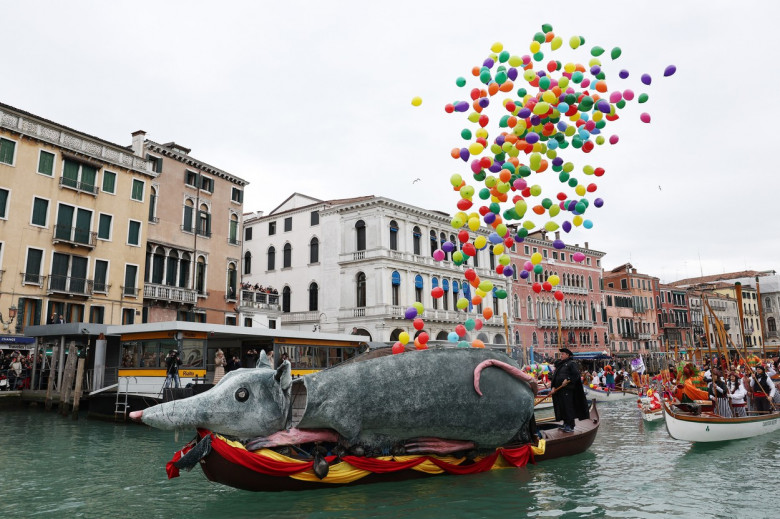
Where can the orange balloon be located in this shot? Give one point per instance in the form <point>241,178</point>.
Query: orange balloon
<point>477,344</point>
<point>475,71</point>
<point>538,209</point>
<point>493,88</point>
<point>487,313</point>
<point>475,282</point>
<point>455,153</point>
<point>507,86</point>
<point>512,121</point>
<point>601,86</point>
<point>512,138</point>
<point>476,300</point>
<point>514,161</point>
<point>542,166</point>
<point>477,107</point>
<point>457,188</point>
<point>549,37</point>
<point>505,175</point>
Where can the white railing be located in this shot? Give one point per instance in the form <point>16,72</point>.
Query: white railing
<point>169,293</point>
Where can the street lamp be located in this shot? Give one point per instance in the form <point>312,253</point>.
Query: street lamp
<point>12,314</point>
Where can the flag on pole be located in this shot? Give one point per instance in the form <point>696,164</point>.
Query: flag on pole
<point>638,365</point>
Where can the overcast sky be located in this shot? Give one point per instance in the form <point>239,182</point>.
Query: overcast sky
<point>315,97</point>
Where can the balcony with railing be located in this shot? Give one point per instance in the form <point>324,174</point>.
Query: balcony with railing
<point>301,317</point>
<point>130,291</point>
<point>28,278</point>
<point>74,236</point>
<point>233,241</point>
<point>259,300</point>
<point>170,294</point>
<point>568,289</point>
<point>83,187</point>
<point>69,285</point>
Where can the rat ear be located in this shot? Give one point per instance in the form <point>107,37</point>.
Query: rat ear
<point>283,375</point>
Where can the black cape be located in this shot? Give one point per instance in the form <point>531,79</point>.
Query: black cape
<point>567,370</point>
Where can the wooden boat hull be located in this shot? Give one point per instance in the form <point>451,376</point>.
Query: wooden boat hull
<point>652,416</point>
<point>608,396</point>
<point>706,427</point>
<point>219,469</point>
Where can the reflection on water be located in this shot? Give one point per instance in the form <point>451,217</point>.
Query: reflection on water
<point>56,467</point>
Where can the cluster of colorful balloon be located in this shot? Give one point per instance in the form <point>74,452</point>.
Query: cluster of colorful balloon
<point>546,108</point>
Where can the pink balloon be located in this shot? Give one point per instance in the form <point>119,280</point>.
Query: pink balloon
<point>615,97</point>
<point>578,257</point>
<point>613,139</point>
<point>438,255</point>
<point>528,265</point>
<point>628,94</point>
<point>645,117</point>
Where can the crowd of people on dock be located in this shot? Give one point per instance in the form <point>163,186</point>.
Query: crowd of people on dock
<point>16,369</point>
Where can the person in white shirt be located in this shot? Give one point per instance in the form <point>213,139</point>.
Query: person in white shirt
<point>737,394</point>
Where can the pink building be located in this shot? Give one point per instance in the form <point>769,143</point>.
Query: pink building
<point>534,324</point>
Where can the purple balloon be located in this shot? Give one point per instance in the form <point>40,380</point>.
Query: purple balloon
<point>646,79</point>
<point>464,154</point>
<point>500,140</point>
<point>572,205</point>
<point>535,120</point>
<point>557,161</point>
<point>566,226</point>
<point>558,244</point>
<point>411,313</point>
<point>623,74</point>
<point>488,63</point>
<point>562,126</point>
<point>512,73</point>
<point>603,106</point>
<point>448,246</point>
<point>671,69</point>
<point>489,218</point>
<point>595,69</point>
<point>532,138</point>
<point>495,167</point>
<point>523,113</point>
<point>508,272</point>
<point>484,102</point>
<point>598,202</point>
<point>524,274</point>
<point>461,106</point>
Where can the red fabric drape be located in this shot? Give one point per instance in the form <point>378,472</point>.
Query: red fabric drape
<point>381,466</point>
<point>170,469</point>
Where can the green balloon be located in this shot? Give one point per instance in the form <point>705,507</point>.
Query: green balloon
<point>509,167</point>
<point>461,81</point>
<point>547,28</point>
<point>501,78</point>
<point>524,171</point>
<point>621,104</point>
<point>563,176</point>
<point>601,124</point>
<point>484,193</point>
<point>544,83</point>
<point>501,293</point>
<point>522,232</point>
<point>596,51</point>
<point>494,208</point>
<point>503,57</point>
<point>547,203</point>
<point>539,56</point>
<point>522,92</point>
<point>504,122</point>
<point>643,98</point>
<point>577,77</point>
<point>539,37</point>
<point>485,77</point>
<point>601,75</point>
<point>573,182</point>
<point>576,142</point>
<point>616,52</point>
<point>469,324</point>
<point>465,133</point>
<point>538,269</point>
<point>463,344</point>
<point>580,207</point>
<point>479,177</point>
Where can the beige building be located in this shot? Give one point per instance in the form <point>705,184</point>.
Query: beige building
<point>193,249</point>
<point>73,225</point>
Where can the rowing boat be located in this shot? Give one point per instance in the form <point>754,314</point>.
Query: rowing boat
<point>607,395</point>
<point>689,423</point>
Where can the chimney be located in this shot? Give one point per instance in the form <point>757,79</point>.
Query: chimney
<point>138,142</point>
<point>557,235</point>
<point>586,245</point>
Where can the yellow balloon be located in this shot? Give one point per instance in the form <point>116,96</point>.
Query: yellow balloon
<point>593,62</point>
<point>597,116</point>
<point>456,180</point>
<point>416,101</point>
<point>541,108</point>
<point>548,97</point>
<point>554,210</point>
<point>577,220</point>
<point>535,47</point>
<point>498,249</point>
<point>528,224</point>
<point>505,259</point>
<point>486,286</point>
<point>462,303</point>
<point>501,229</point>
<point>483,134</point>
<point>473,224</point>
<point>569,67</point>
<point>529,75</point>
<point>473,117</point>
<point>563,82</point>
<point>497,47</point>
<point>403,337</point>
<point>551,226</point>
<point>536,258</point>
<point>480,242</point>
<point>574,42</point>
<point>456,223</point>
<point>503,187</point>
<point>554,280</point>
<point>521,206</point>
<point>556,43</point>
<point>480,292</point>
<point>580,190</point>
<point>475,148</point>
<point>515,61</point>
<point>536,190</point>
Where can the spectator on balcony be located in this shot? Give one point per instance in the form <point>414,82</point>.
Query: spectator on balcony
<point>52,318</point>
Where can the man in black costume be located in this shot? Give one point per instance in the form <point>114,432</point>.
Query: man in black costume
<point>568,395</point>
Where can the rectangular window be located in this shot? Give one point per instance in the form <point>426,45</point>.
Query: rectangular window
<point>623,284</point>
<point>7,149</point>
<point>79,176</point>
<point>271,228</point>
<point>156,163</point>
<point>544,253</point>
<point>131,274</point>
<point>40,211</point>
<point>138,190</point>
<point>101,275</point>
<point>526,250</point>
<point>207,184</point>
<point>288,224</point>
<point>46,163</point>
<point>315,217</point>
<point>4,203</point>
<point>236,195</point>
<point>230,320</point>
<point>191,178</point>
<point>133,232</point>
<point>247,234</point>
<point>104,226</point>
<point>96,314</point>
<point>128,316</point>
<point>32,271</point>
<point>109,182</point>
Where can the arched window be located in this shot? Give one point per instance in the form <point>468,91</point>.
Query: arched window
<point>514,272</point>
<point>360,232</point>
<point>771,324</point>
<point>529,308</point>
<point>233,229</point>
<point>286,296</point>
<point>442,240</point>
<point>232,280</point>
<point>247,263</point>
<point>416,234</point>
<point>189,211</point>
<point>534,339</point>
<point>434,243</point>
<point>492,259</point>
<point>314,250</point>
<point>393,235</point>
<point>441,336</point>
<point>200,275</point>
<point>517,338</point>
<point>153,206</point>
<point>313,296</point>
<point>395,288</point>
<point>498,339</point>
<point>203,224</point>
<point>287,256</point>
<point>271,258</point>
<point>516,306</point>
<point>171,268</point>
<point>590,282</point>
<point>418,288</point>
<point>158,266</point>
<point>184,270</point>
<point>361,290</point>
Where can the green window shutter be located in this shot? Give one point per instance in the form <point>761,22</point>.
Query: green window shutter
<point>70,173</point>
<point>33,267</point>
<point>208,224</point>
<point>138,190</point>
<point>233,231</point>
<point>88,175</point>
<point>101,271</point>
<point>40,207</point>
<point>64,222</point>
<point>130,271</point>
<point>109,181</point>
<point>3,203</point>
<point>83,221</point>
<point>104,227</point>
<point>7,151</point>
<point>46,163</point>
<point>133,233</point>
<point>187,224</point>
<point>152,206</point>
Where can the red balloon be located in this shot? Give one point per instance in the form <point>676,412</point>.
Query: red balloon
<point>591,188</point>
<point>470,274</point>
<point>463,236</point>
<point>460,330</point>
<point>485,162</point>
<point>537,287</point>
<point>477,324</point>
<point>483,120</point>
<point>418,324</point>
<point>499,269</point>
<point>558,295</point>
<point>474,94</point>
<point>464,204</point>
<point>423,338</point>
<point>398,348</point>
<point>449,108</point>
<point>546,286</point>
<point>469,249</point>
<point>509,241</point>
<point>598,172</point>
<point>484,210</point>
<point>437,292</point>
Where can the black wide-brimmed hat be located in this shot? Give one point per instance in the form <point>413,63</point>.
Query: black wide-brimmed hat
<point>567,351</point>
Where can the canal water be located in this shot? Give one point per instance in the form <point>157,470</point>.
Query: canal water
<point>57,467</point>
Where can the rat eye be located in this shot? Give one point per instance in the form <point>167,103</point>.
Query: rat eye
<point>242,394</point>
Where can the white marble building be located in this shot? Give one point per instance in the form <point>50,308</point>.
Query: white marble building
<point>360,263</point>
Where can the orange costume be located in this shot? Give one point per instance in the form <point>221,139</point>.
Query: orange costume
<point>687,390</point>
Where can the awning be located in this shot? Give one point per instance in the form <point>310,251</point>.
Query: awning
<point>590,355</point>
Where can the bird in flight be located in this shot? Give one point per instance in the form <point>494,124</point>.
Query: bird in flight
<point>659,188</point>
<point>415,180</point>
